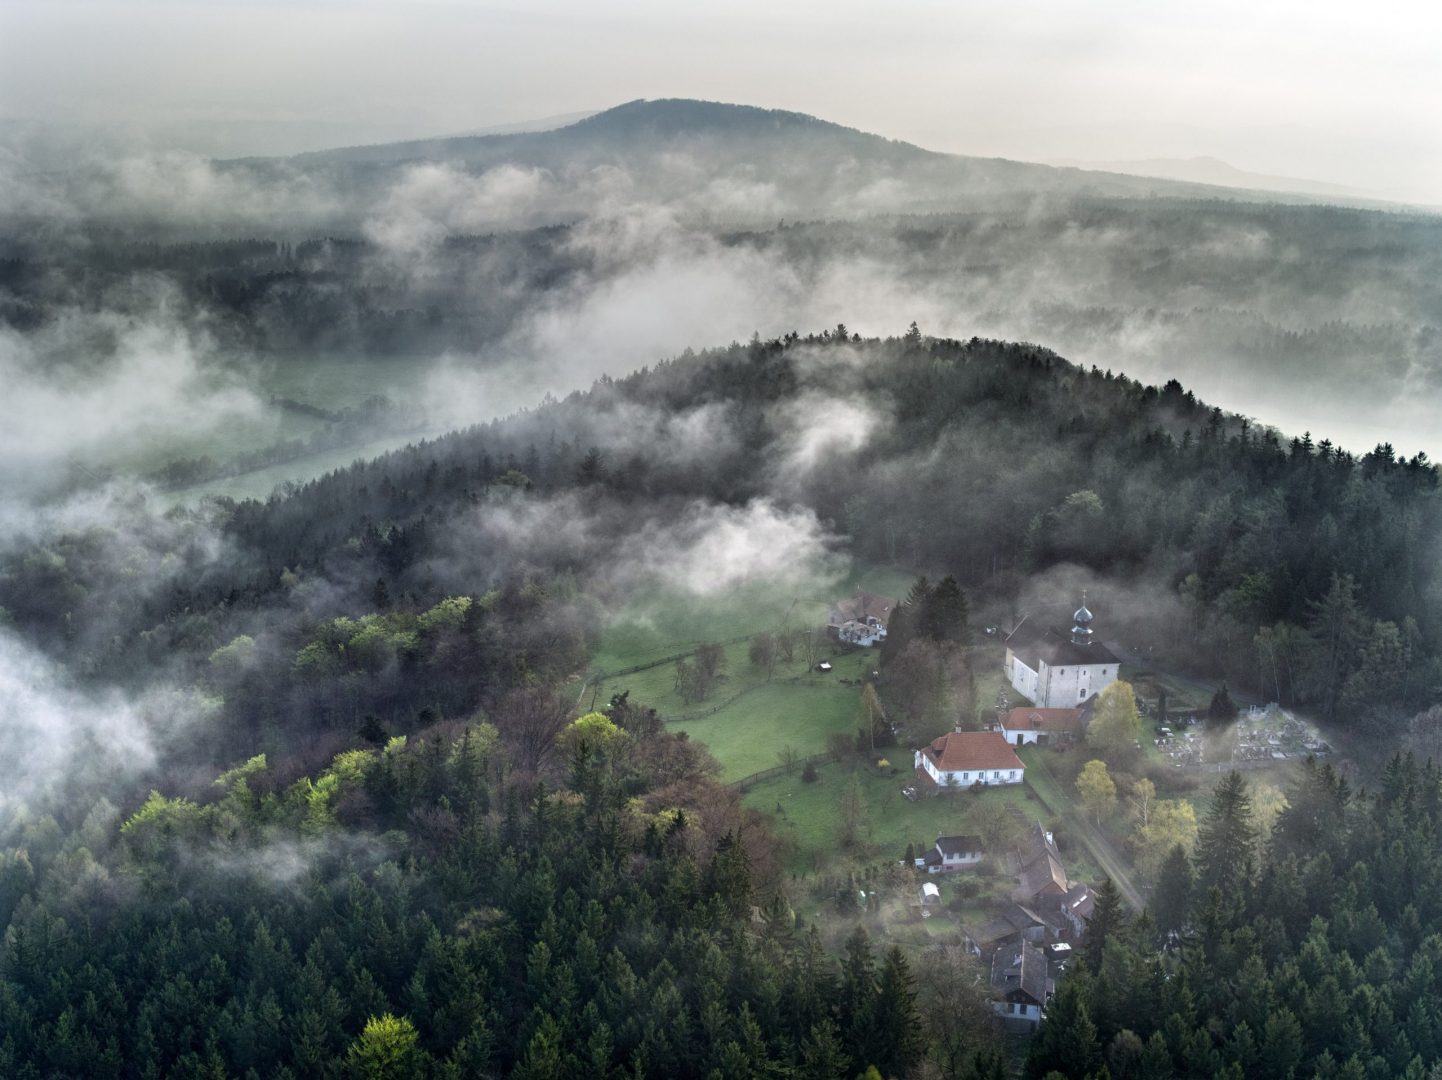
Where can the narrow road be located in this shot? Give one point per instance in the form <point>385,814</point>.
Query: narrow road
<point>1040,779</point>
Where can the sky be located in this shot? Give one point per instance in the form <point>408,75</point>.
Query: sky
<point>1345,93</point>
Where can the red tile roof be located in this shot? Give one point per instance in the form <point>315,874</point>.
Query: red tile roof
<point>1029,719</point>
<point>967,751</point>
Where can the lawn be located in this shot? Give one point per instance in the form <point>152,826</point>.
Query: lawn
<point>748,734</point>
<point>794,707</point>
<point>806,819</point>
<point>657,622</point>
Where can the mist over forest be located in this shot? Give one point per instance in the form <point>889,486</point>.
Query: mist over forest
<point>339,490</point>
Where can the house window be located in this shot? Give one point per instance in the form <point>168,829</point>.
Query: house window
<point>1081,693</point>
<point>1011,775</point>
<point>996,774</point>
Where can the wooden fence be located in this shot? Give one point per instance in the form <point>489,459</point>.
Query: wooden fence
<point>748,782</point>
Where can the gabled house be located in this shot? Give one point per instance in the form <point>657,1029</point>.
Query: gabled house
<point>1021,984</point>
<point>1056,727</point>
<point>963,758</point>
<point>1041,874</point>
<point>1017,923</point>
<point>860,620</point>
<point>951,853</point>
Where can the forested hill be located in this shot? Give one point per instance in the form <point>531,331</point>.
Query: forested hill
<point>812,160</point>
<point>625,131</point>
<point>380,839</point>
<point>1290,567</point>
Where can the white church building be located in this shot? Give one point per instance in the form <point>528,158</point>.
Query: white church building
<point>1057,670</point>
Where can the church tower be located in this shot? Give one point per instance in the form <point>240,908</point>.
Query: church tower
<point>1082,619</point>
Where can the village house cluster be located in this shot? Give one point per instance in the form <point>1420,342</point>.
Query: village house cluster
<point>1027,944</point>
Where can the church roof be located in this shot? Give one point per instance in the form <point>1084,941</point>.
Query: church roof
<point>1033,644</point>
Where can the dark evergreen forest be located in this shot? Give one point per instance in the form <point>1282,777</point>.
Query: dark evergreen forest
<point>1311,951</point>
<point>382,846</point>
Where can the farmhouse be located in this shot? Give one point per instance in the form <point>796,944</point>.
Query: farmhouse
<point>860,620</point>
<point>1056,670</point>
<point>1015,924</point>
<point>1041,874</point>
<point>963,758</point>
<point>1056,727</point>
<point>951,853</point>
<point>1021,983</point>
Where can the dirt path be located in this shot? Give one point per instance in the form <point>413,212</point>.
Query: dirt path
<point>1040,779</point>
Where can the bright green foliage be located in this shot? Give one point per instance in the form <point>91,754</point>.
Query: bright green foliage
<point>1097,789</point>
<point>1116,724</point>
<point>386,1050</point>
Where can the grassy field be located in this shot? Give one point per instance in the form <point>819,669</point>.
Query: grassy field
<point>806,817</point>
<point>794,707</point>
<point>747,735</point>
<point>656,622</point>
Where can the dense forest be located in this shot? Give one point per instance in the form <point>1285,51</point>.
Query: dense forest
<point>1310,951</point>
<point>413,911</point>
<point>1295,569</point>
<point>379,844</point>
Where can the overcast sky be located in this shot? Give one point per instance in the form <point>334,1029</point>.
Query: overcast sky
<point>1349,93</point>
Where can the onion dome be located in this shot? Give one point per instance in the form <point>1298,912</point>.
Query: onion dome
<point>1081,631</point>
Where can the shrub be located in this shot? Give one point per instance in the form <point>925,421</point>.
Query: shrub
<point>809,774</point>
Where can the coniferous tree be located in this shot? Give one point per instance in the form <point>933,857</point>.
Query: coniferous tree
<point>942,612</point>
<point>897,1044</point>
<point>1067,1040</point>
<point>1172,893</point>
<point>1227,840</point>
<point>857,1017</point>
<point>1109,919</point>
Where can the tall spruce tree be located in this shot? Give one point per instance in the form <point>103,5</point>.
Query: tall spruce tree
<point>1227,840</point>
<point>1172,893</point>
<point>897,1021</point>
<point>1067,1041</point>
<point>1109,917</point>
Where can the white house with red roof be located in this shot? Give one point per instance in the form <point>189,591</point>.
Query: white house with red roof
<point>1026,726</point>
<point>963,758</point>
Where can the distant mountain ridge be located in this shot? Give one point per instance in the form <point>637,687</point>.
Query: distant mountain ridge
<point>668,119</point>
<point>1211,170</point>
<point>672,147</point>
<point>717,162</point>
